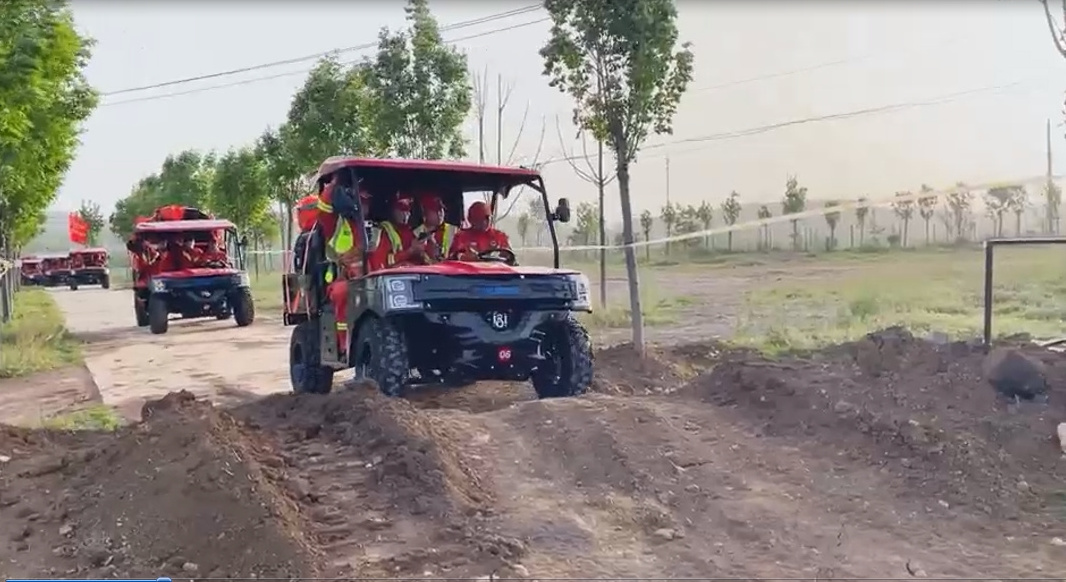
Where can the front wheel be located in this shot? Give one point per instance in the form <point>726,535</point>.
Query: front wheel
<point>380,354</point>
<point>73,286</point>
<point>243,307</point>
<point>105,282</point>
<point>569,366</point>
<point>158,314</point>
<point>306,372</point>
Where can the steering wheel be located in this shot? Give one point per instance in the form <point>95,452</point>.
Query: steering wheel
<point>505,256</point>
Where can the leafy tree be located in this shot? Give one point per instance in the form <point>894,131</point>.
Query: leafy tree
<point>535,210</point>
<point>91,214</point>
<point>586,224</point>
<point>184,179</point>
<point>904,209</point>
<point>669,215</point>
<point>926,209</point>
<point>523,227</point>
<point>688,222</point>
<point>960,202</point>
<point>1019,201</point>
<point>45,99</point>
<point>861,212</point>
<point>620,63</point>
<point>795,201</point>
<point>997,203</point>
<point>763,214</point>
<point>422,89</point>
<point>647,221</point>
<point>1052,204</point>
<point>832,218</point>
<point>731,214</point>
<point>240,190</point>
<point>284,173</point>
<point>705,214</point>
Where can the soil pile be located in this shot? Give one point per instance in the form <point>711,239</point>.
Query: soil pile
<point>922,411</point>
<point>180,494</point>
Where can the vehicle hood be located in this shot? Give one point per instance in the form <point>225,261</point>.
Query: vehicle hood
<point>461,268</point>
<point>193,273</point>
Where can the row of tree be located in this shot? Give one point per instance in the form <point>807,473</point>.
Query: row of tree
<point>44,99</point>
<point>409,99</point>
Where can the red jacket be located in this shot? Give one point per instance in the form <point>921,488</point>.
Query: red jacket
<point>478,241</point>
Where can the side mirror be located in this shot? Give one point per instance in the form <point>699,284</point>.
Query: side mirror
<point>243,242</point>
<point>562,211</point>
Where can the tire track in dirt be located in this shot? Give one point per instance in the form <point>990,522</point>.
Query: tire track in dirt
<point>213,359</point>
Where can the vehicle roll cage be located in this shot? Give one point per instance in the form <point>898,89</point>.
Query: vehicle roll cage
<point>500,184</point>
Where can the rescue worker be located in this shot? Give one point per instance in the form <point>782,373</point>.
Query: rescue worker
<point>189,257</point>
<point>397,245</point>
<point>342,246</point>
<point>480,236</point>
<point>437,234</point>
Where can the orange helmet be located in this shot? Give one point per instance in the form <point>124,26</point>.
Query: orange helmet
<point>431,203</point>
<point>478,211</point>
<point>307,212</point>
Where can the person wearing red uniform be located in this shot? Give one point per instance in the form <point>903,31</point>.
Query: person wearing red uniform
<point>480,236</point>
<point>343,248</point>
<point>437,234</point>
<point>397,245</point>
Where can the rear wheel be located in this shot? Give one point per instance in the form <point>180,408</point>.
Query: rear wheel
<point>243,306</point>
<point>141,311</point>
<point>380,352</point>
<point>158,314</point>
<point>568,370</point>
<point>306,372</point>
<point>105,281</point>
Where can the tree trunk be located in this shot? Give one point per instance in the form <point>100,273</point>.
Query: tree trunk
<point>729,241</point>
<point>926,232</point>
<point>647,247</point>
<point>906,230</point>
<point>603,229</point>
<point>636,315</point>
<point>1018,224</point>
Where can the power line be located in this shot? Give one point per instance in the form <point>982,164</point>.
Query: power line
<point>890,108</point>
<point>305,71</point>
<point>447,28</point>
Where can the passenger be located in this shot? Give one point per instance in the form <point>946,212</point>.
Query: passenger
<point>189,256</point>
<point>437,234</point>
<point>480,236</point>
<point>214,256</point>
<point>398,246</point>
<point>335,203</point>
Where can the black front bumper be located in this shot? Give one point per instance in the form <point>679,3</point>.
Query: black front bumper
<point>90,275</point>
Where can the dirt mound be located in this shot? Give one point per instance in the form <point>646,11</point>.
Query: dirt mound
<point>661,371</point>
<point>918,410</point>
<point>387,487</point>
<point>179,494</point>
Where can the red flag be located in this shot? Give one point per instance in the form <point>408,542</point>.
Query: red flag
<point>77,229</point>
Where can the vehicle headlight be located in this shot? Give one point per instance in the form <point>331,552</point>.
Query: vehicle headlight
<point>158,286</point>
<point>399,293</point>
<point>582,295</point>
<point>243,280</point>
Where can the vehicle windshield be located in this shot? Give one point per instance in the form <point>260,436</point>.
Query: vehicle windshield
<point>186,249</point>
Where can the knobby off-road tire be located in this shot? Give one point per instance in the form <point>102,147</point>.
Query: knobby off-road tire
<point>381,356</point>
<point>243,307</point>
<point>140,311</point>
<point>569,371</point>
<point>158,315</point>
<point>307,374</point>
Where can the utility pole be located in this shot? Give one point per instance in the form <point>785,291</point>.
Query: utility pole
<point>1052,205</point>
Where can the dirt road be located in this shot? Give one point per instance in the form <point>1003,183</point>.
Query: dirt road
<point>211,358</point>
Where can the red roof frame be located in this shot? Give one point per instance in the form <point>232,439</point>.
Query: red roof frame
<point>183,225</point>
<point>335,163</point>
<point>89,251</point>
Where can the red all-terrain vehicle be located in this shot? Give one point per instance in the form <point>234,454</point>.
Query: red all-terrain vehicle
<point>451,322</point>
<point>89,267</point>
<point>193,268</point>
<point>55,269</point>
<point>30,272</point>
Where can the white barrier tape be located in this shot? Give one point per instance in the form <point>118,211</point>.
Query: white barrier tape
<point>844,205</point>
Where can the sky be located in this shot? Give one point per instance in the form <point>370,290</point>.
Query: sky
<point>982,78</point>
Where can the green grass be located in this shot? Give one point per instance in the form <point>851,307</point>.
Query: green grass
<point>931,290</point>
<point>96,417</point>
<point>36,339</point>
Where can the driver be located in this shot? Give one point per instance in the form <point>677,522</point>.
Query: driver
<point>398,246</point>
<point>480,236</point>
<point>437,234</point>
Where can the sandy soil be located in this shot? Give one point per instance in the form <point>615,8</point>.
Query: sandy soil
<point>889,457</point>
